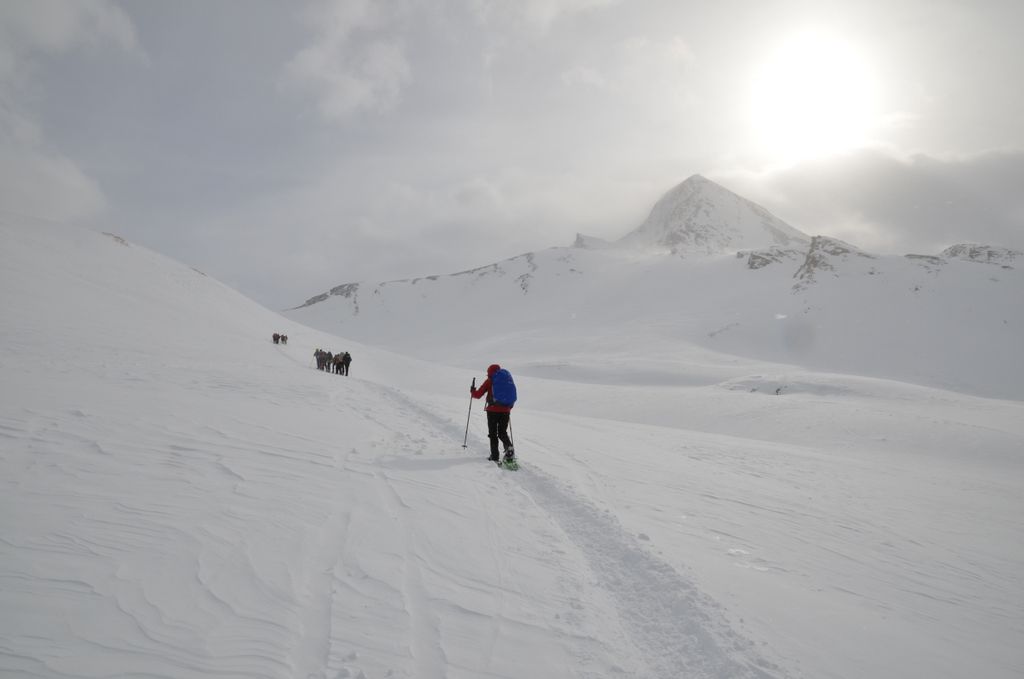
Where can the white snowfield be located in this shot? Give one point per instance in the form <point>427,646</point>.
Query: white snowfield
<point>183,498</point>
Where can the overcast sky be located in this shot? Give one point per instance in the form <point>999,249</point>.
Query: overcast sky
<point>287,147</point>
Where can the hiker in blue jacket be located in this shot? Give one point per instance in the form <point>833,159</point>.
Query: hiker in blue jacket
<point>498,415</point>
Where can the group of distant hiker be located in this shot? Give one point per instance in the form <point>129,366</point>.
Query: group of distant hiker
<point>333,363</point>
<point>498,390</point>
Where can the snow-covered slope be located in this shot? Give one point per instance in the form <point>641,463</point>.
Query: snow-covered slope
<point>183,498</point>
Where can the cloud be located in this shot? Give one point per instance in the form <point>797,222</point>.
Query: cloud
<point>371,225</point>
<point>357,60</point>
<point>585,76</point>
<point>887,203</point>
<point>539,15</point>
<point>36,179</point>
<point>32,27</point>
<point>636,65</point>
<point>543,13</point>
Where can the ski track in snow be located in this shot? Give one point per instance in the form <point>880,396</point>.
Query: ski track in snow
<point>312,652</point>
<point>427,652</point>
<point>677,631</point>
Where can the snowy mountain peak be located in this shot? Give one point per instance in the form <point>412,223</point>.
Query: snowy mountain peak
<point>700,217</point>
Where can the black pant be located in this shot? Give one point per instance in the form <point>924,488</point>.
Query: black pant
<point>497,428</point>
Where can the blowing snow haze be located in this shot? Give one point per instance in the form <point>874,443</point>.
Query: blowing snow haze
<point>717,277</point>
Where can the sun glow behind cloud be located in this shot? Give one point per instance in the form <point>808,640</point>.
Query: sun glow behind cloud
<point>813,95</point>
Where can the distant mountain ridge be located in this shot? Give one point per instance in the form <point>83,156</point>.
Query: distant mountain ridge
<point>699,217</point>
<point>695,218</point>
<point>711,269</point>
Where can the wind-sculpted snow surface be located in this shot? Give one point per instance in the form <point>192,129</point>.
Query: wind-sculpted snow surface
<point>188,499</point>
<point>181,497</point>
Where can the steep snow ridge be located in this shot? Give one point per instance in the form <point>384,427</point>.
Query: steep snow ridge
<point>700,217</point>
<point>522,267</point>
<point>530,291</point>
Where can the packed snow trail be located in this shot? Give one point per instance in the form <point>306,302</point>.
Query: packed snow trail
<point>675,629</point>
<point>678,630</point>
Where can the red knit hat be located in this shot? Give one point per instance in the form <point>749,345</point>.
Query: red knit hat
<point>493,368</point>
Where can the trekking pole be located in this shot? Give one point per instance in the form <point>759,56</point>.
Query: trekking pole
<point>468,412</point>
<point>511,440</point>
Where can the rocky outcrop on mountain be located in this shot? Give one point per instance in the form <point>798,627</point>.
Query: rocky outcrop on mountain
<point>758,259</point>
<point>930,263</point>
<point>826,255</point>
<point>985,254</point>
<point>700,217</point>
<point>347,290</point>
